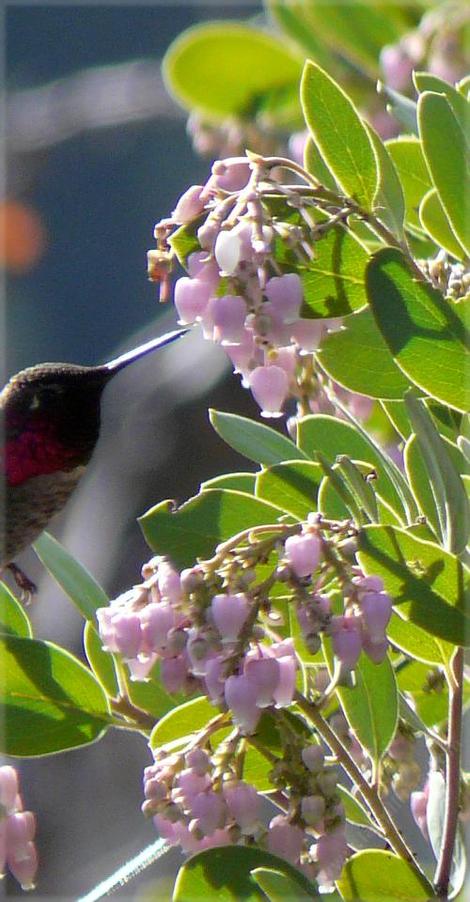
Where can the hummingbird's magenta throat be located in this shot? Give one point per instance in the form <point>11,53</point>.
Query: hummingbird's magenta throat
<point>35,451</point>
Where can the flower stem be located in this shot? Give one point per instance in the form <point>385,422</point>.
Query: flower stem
<point>367,791</point>
<point>444,865</point>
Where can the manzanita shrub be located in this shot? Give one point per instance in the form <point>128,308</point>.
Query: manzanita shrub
<point>299,630</point>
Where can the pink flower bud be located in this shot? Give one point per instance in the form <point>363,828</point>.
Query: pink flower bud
<point>191,298</point>
<point>330,854</point>
<point>307,333</point>
<point>297,144</point>
<point>188,785</point>
<point>376,651</point>
<point>209,810</point>
<point>231,174</point>
<point>285,839</point>
<point>396,67</point>
<point>419,806</point>
<point>263,675</point>
<point>214,679</point>
<point>312,809</point>
<point>199,762</point>
<point>284,692</point>
<point>228,317</point>
<point>127,634</point>
<point>244,355</point>
<point>24,867</point>
<point>347,640</point>
<point>239,698</point>
<point>203,268</point>
<point>313,757</point>
<point>20,830</point>
<point>8,788</point>
<point>190,205</point>
<point>269,386</point>
<point>232,247</point>
<point>285,358</point>
<point>140,668</point>
<point>169,583</point>
<point>376,610</point>
<point>229,613</point>
<point>285,294</point>
<point>244,805</point>
<point>303,553</point>
<point>174,673</point>
<point>368,584</point>
<point>207,233</point>
<point>157,620</point>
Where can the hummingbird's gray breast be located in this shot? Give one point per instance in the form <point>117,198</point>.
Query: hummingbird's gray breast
<point>28,508</point>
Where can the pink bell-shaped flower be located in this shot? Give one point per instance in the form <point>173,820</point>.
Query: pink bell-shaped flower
<point>191,298</point>
<point>229,613</point>
<point>285,294</point>
<point>269,386</point>
<point>347,640</point>
<point>228,317</point>
<point>190,205</point>
<point>285,839</point>
<point>240,700</point>
<point>302,553</point>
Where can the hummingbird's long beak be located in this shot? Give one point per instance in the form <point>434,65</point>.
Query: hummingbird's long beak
<point>120,362</point>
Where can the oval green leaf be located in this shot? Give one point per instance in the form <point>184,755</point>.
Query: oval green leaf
<point>426,334</point>
<point>333,283</point>
<point>427,583</point>
<point>50,701</point>
<point>195,529</point>
<point>13,617</point>
<point>382,877</point>
<point>73,578</point>
<point>202,69</point>
<point>340,134</point>
<point>254,440</point>
<point>292,485</point>
<point>446,149</point>
<point>100,661</point>
<point>225,873</point>
<point>389,201</point>
<point>434,220</point>
<point>407,155</point>
<point>182,722</point>
<point>241,482</point>
<point>358,358</point>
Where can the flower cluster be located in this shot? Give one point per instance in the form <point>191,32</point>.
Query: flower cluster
<point>401,769</point>
<point>436,45</point>
<point>243,298</point>
<point>17,830</point>
<point>197,801</point>
<point>216,629</point>
<point>213,631</point>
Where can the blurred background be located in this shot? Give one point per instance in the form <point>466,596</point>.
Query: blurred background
<point>97,152</point>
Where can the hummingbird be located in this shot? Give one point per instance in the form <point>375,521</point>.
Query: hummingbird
<point>50,418</point>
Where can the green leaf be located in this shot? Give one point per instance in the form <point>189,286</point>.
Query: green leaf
<point>195,529</point>
<point>448,491</point>
<point>334,281</point>
<point>460,106</point>
<point>254,440</point>
<point>202,69</point>
<point>184,241</point>
<point>407,155</point>
<point>240,482</point>
<point>426,582</point>
<point>420,485</point>
<point>13,617</point>
<point>279,887</point>
<point>371,706</point>
<point>340,134</point>
<point>316,166</point>
<point>72,577</point>
<point>225,873</point>
<point>381,877</point>
<point>331,436</point>
<point>417,642</point>
<point>151,696</point>
<point>400,107</point>
<point>434,220</point>
<point>359,486</point>
<point>432,707</point>
<point>293,486</point>
<point>389,201</point>
<point>358,358</point>
<point>50,701</point>
<point>292,19</point>
<point>447,151</point>
<point>425,333</point>
<point>354,811</point>
<point>100,661</point>
<point>182,722</point>
<point>357,31</point>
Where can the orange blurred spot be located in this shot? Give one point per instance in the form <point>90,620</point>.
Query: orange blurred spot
<point>22,236</point>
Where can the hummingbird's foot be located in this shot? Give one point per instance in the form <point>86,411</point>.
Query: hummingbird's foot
<point>26,586</point>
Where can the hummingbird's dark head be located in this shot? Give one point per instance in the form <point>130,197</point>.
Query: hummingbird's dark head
<point>51,413</point>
